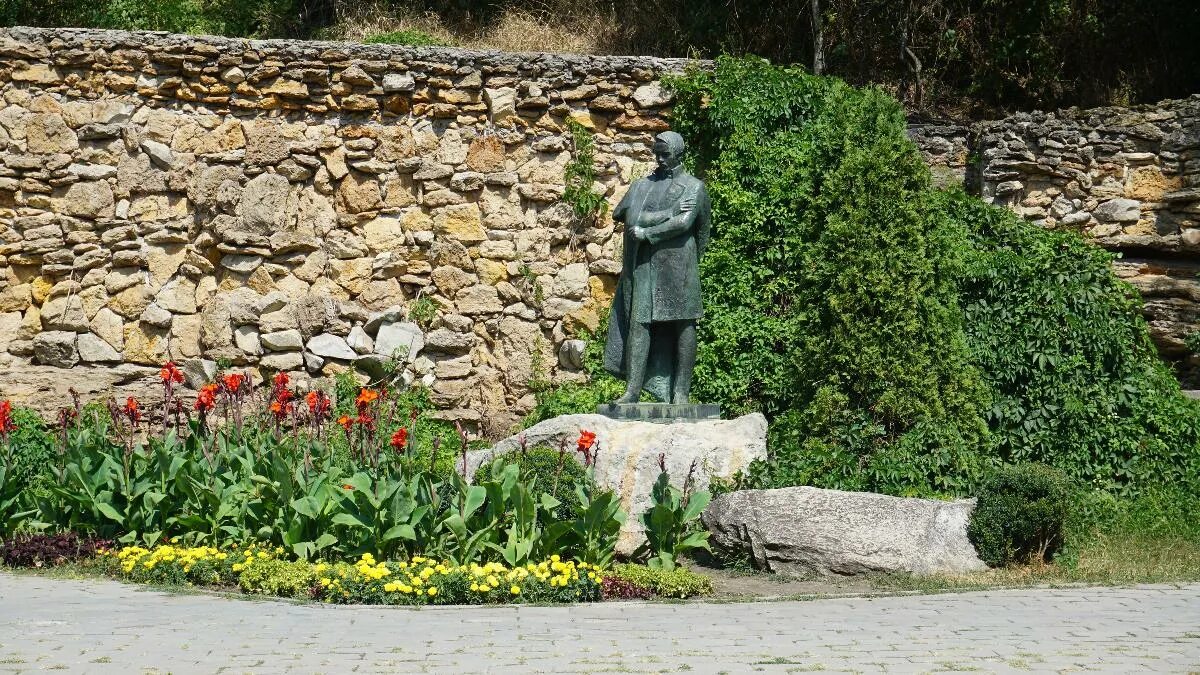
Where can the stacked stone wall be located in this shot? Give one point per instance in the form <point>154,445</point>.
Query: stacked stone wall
<point>301,206</point>
<point>305,206</point>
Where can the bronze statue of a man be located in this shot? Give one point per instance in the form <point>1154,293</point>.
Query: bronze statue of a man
<point>652,327</point>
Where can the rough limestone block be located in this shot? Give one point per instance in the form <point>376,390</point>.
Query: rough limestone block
<point>627,455</point>
<point>801,530</point>
<point>329,346</point>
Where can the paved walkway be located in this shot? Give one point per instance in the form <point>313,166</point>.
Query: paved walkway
<point>108,627</point>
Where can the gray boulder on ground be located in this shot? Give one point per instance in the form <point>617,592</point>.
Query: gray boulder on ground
<point>627,455</point>
<point>802,530</point>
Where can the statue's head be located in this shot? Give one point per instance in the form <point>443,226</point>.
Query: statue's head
<point>668,150</point>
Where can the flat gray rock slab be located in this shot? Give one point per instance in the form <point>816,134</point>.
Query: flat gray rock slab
<point>802,530</point>
<point>109,627</point>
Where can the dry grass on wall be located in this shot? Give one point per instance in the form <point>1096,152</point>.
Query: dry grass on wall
<point>579,31</point>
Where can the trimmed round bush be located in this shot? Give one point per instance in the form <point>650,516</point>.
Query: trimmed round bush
<point>1020,514</point>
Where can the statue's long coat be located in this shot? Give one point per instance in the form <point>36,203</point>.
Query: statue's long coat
<point>660,277</point>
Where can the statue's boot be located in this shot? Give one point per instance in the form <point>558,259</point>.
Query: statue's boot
<point>629,397</point>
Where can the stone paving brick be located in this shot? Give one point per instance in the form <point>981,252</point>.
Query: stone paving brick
<point>100,626</point>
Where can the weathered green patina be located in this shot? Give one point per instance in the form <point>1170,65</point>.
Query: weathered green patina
<point>652,327</point>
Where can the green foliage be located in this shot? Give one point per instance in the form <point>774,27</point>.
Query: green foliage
<point>239,18</point>
<point>1076,381</point>
<point>33,447</point>
<point>575,398</point>
<point>555,473</point>
<point>1020,514</point>
<point>678,582</point>
<point>423,311</point>
<point>672,524</point>
<point>903,340</point>
<point>411,37</point>
<point>580,174</point>
<point>830,300</point>
<point>278,578</point>
<point>251,482</point>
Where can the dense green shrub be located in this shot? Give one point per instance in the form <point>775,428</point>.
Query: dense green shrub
<point>830,297</point>
<point>1076,382</point>
<point>679,582</point>
<point>33,448</point>
<point>1020,514</point>
<point>551,472</point>
<point>904,340</point>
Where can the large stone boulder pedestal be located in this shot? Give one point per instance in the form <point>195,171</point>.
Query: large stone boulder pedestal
<point>627,455</point>
<point>805,530</point>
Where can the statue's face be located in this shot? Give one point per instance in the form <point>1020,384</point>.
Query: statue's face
<point>664,158</point>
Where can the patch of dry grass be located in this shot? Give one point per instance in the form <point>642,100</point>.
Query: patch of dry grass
<point>1107,559</point>
<point>580,31</point>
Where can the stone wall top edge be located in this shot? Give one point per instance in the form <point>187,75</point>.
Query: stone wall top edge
<point>1189,106</point>
<point>313,49</point>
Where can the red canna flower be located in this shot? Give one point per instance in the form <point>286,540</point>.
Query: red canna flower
<point>280,380</point>
<point>366,421</point>
<point>170,373</point>
<point>365,398</point>
<point>6,421</point>
<point>346,422</point>
<point>280,409</point>
<point>400,439</point>
<point>318,404</point>
<point>207,398</point>
<point>131,410</point>
<point>233,382</point>
<point>586,439</point>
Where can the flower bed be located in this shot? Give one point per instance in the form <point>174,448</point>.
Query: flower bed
<point>273,490</point>
<point>419,581</point>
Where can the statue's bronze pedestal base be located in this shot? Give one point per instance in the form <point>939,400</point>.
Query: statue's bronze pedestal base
<point>660,412</point>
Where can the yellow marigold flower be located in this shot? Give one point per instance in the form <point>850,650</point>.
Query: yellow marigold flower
<point>555,558</point>
<point>389,587</point>
<point>515,590</point>
<point>474,588</point>
<point>592,576</point>
<point>492,580</point>
<point>417,581</point>
<point>238,567</point>
<point>432,591</point>
<point>405,588</point>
